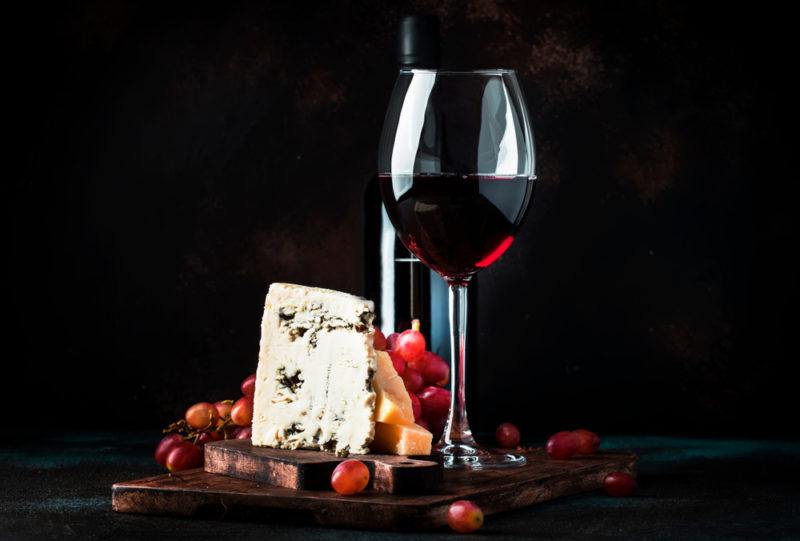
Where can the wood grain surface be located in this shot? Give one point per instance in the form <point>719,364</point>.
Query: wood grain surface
<point>311,470</point>
<point>199,493</point>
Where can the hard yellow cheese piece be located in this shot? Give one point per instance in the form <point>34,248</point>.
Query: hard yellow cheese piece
<point>401,440</point>
<point>395,431</point>
<point>392,403</point>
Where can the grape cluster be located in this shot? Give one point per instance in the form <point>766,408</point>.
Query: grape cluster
<point>424,373</point>
<point>181,448</point>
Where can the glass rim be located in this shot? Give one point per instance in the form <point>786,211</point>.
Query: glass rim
<point>488,71</point>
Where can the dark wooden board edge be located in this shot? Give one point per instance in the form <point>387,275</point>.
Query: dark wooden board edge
<point>236,504</point>
<point>198,493</point>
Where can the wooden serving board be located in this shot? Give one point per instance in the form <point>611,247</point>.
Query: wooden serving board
<point>199,493</point>
<point>311,470</point>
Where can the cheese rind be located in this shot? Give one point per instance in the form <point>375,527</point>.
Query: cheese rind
<point>316,364</point>
<point>392,403</point>
<point>401,440</point>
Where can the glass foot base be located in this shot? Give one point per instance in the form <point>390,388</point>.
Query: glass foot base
<point>474,457</point>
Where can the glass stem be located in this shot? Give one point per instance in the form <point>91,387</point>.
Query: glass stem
<point>457,430</point>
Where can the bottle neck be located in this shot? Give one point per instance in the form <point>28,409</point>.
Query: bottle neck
<point>418,42</point>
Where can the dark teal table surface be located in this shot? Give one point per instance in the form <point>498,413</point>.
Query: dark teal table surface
<point>60,486</point>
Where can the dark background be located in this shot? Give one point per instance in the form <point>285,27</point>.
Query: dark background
<point>170,160</point>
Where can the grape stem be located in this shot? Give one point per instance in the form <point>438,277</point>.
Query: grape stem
<point>182,428</point>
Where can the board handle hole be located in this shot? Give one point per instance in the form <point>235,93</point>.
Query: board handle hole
<point>406,462</point>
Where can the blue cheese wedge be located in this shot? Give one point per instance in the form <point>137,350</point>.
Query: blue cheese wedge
<point>315,367</point>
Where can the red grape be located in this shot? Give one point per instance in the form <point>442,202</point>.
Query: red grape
<point>165,446</point>
<point>562,445</point>
<point>223,408</point>
<point>619,484</point>
<point>413,380</point>
<point>379,340</point>
<point>391,341</point>
<point>435,403</point>
<point>434,370</point>
<point>507,435</point>
<point>249,385</point>
<point>204,438</point>
<point>184,456</point>
<point>398,362</point>
<point>464,516</point>
<point>202,415</point>
<point>416,407</point>
<point>242,411</point>
<point>210,435</point>
<point>350,477</point>
<point>424,424</point>
<point>244,433</point>
<point>232,431</point>
<point>588,442</point>
<point>411,343</point>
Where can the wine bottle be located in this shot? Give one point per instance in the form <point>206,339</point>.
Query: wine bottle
<point>403,288</point>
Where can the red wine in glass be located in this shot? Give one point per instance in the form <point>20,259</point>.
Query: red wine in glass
<point>456,224</point>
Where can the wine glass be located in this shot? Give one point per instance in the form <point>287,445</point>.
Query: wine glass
<point>456,168</point>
